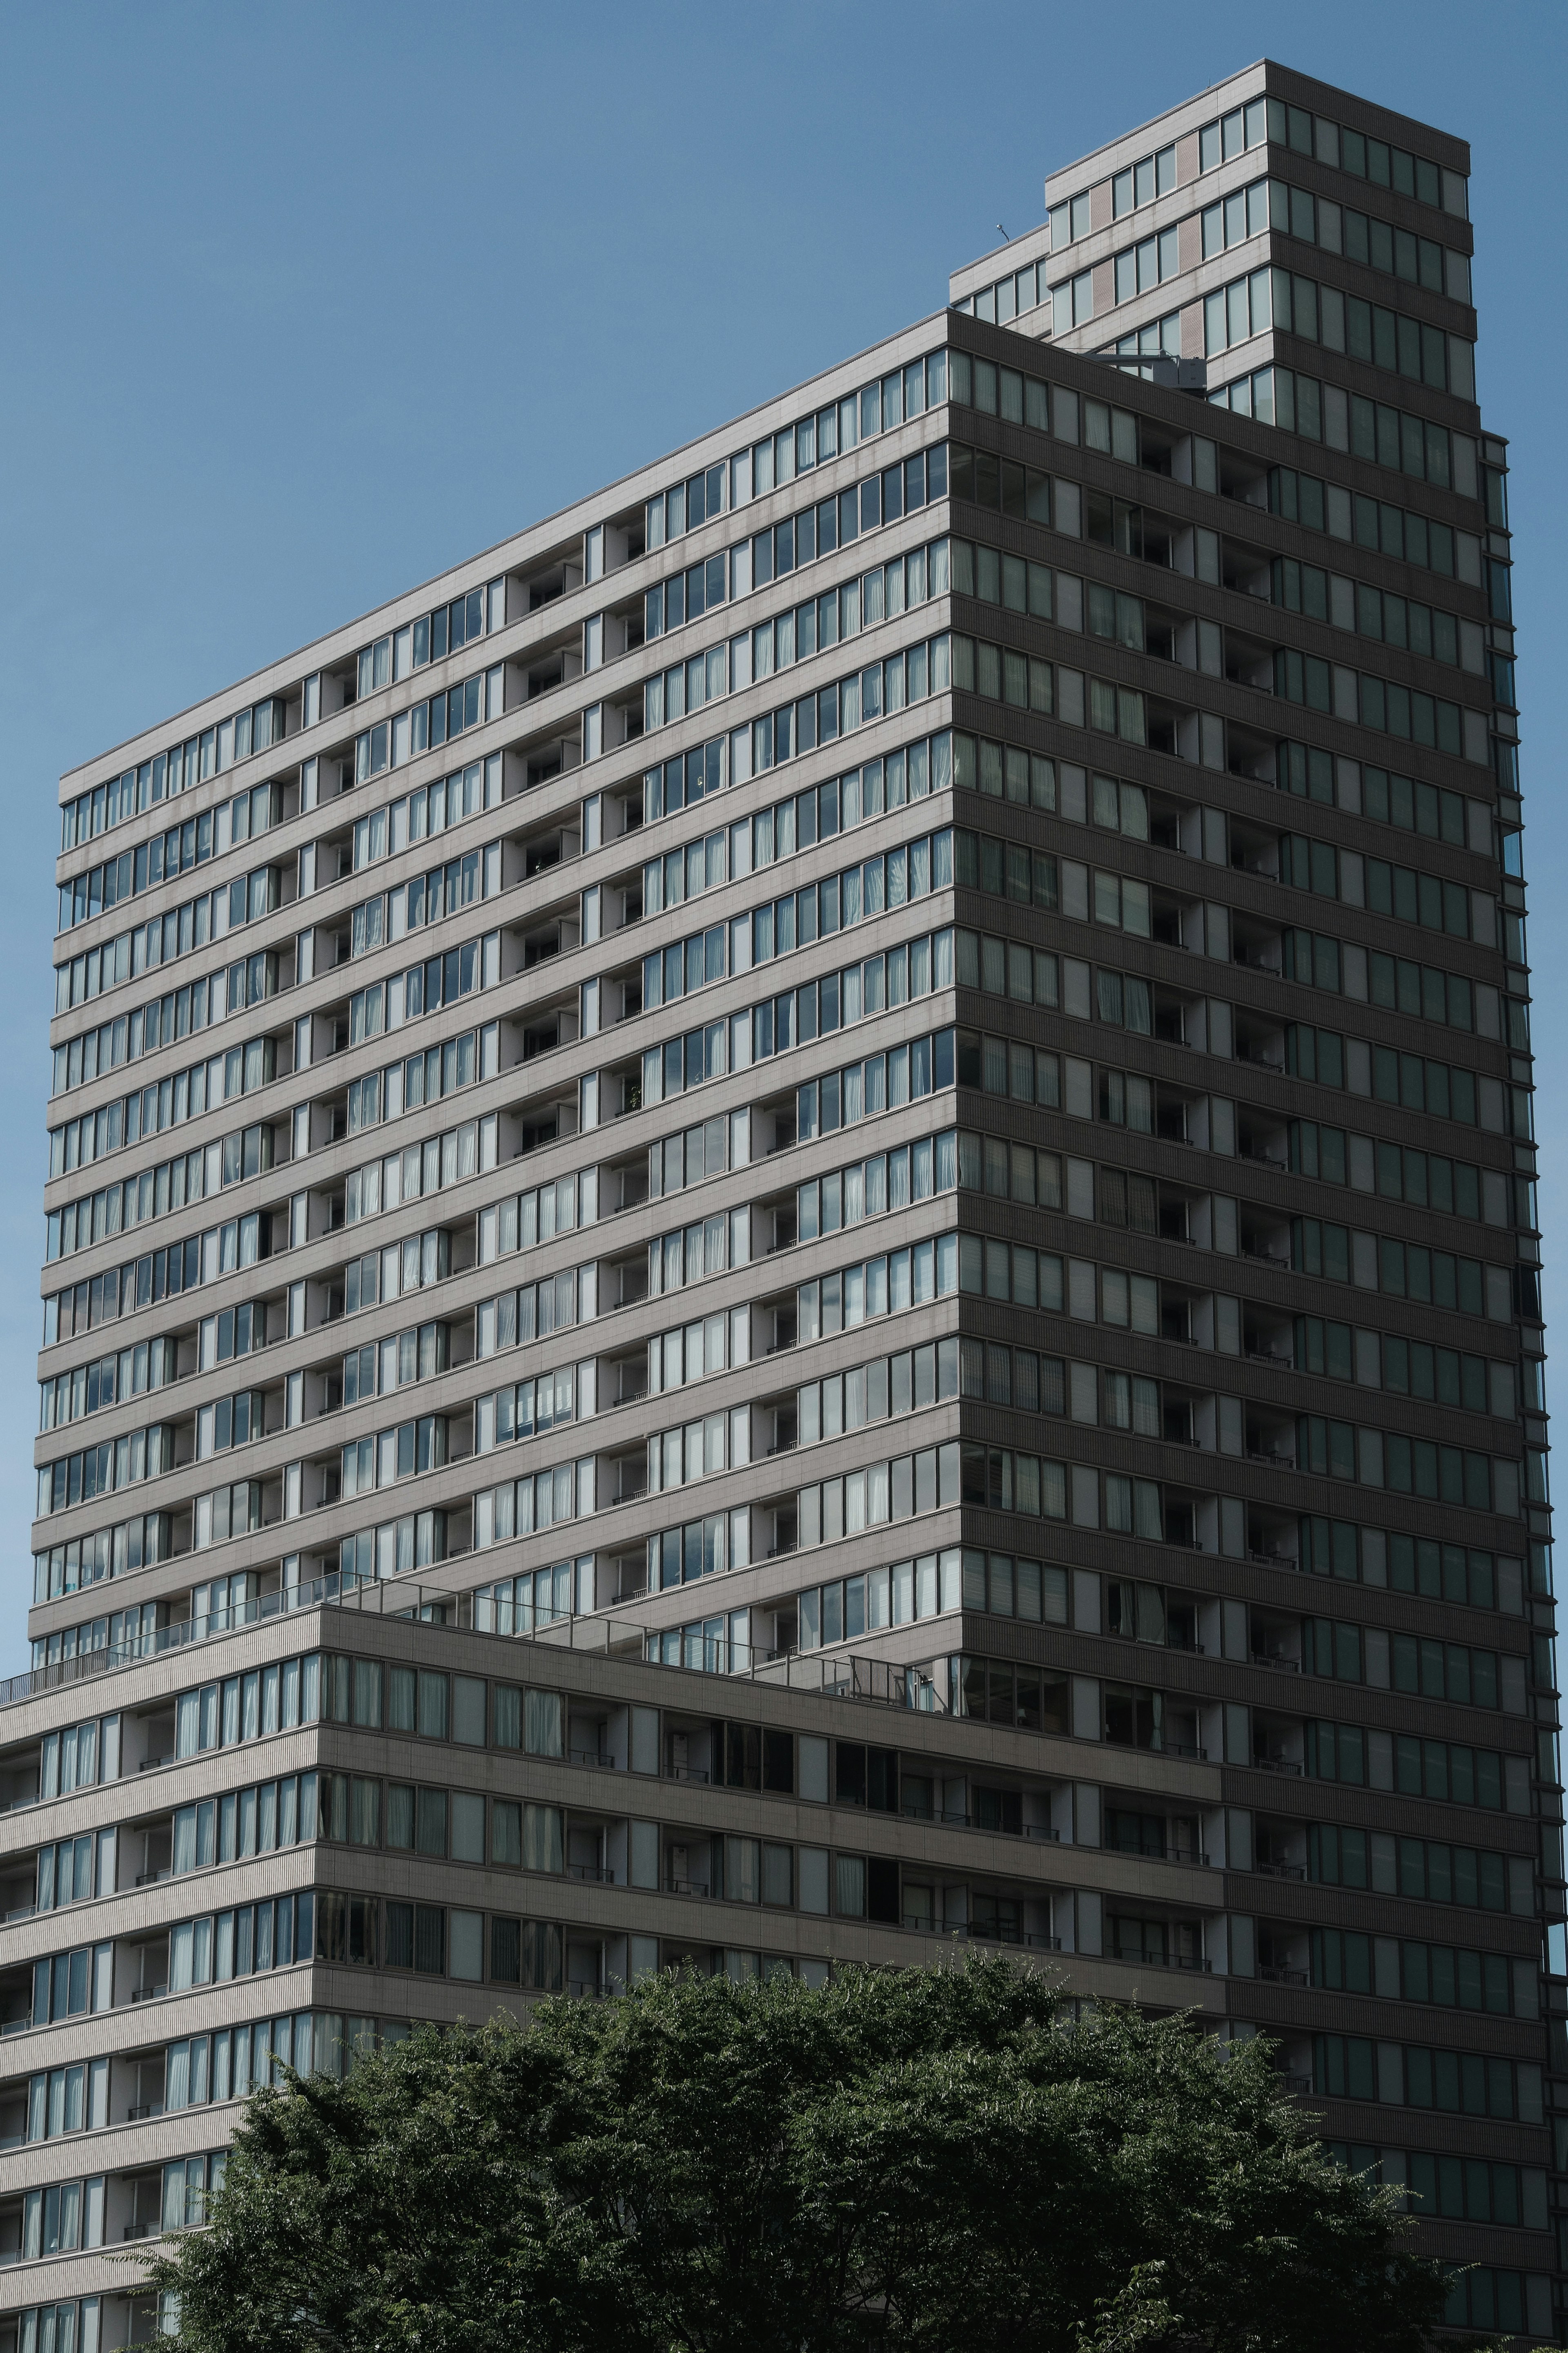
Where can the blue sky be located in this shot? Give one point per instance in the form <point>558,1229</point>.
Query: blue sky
<point>302,304</point>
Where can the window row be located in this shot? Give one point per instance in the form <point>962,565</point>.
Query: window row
<point>1405,1367</point>
<point>423,1078</point>
<point>139,789</point>
<point>1405,1466</point>
<point>110,1380</point>
<point>1138,183</point>
<point>1028,780</point>
<point>878,1391</point>
<point>243,1822</point>
<point>437,985</point>
<point>1441,1089</point>
<point>432,1166</point>
<point>1402,1269</point>
<point>516,1605</point>
<point>75,1871</point>
<point>167,856</point>
<point>528,1408</point>
<point>1374,523</point>
<point>1480,2297</point>
<point>248,1706</point>
<point>62,2100</point>
<point>816,814</point>
<point>871,1187</point>
<point>1465,1677</point>
<point>426,899</point>
<point>59,2221</point>
<point>160,1191</point>
<point>1426,1870</point>
<point>424,815</point>
<point>1375,702</point>
<point>1372,430</point>
<point>1409,894</point>
<point>1369,239</point>
<point>1406,1564</point>
<point>241,1943</point>
<point>903,1074</point>
<point>1297,403</point>
<point>689,1254</point>
<point>1398,984</point>
<point>1462,2189</point>
<point>769,465</point>
<point>165,1020</point>
<point>447,1825</point>
<point>525,1220</point>
<point>1367,331</point>
<point>425,726</point>
<point>794,541</point>
<point>407,1451</point>
<point>1008,487</point>
<point>1010,297</point>
<point>105,1469</point>
<point>1020,1172</point>
<point>1003,674</point>
<point>1005,969</point>
<point>1401,622</point>
<point>428,1703</point>
<point>839,615</point>
<point>1008,1170</point>
<point>1052,408</point>
<point>699,1548</point>
<point>880,1493</point>
<point>698,1449</point>
<point>431,638</point>
<point>1019,1273</point>
<point>1448,1771</point>
<point>140,1543</point>
<point>1139,268</point>
<point>163,937</point>
<point>545,1499</point>
<point>422,1352</point>
<point>929,1586</point>
<point>535,1310</point>
<point>1399,1173</point>
<point>1000,1066</point>
<point>168,1102</point>
<point>1456,2083</point>
<point>892,879</point>
<point>1302,132</point>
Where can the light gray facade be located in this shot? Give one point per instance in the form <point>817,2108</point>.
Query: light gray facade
<point>694,1314</point>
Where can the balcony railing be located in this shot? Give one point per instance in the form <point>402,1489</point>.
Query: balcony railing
<point>853,1676</point>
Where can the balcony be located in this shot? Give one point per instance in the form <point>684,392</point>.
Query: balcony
<point>914,1924</point>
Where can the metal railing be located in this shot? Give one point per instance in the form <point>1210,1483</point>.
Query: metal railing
<point>967,1933</point>
<point>881,1681</point>
<point>88,1666</point>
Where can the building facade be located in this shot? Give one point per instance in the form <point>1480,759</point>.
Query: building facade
<point>799,1223</point>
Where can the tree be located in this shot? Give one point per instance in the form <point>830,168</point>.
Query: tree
<point>922,2159</point>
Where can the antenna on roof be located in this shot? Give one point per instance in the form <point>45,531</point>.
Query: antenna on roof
<point>1005,238</point>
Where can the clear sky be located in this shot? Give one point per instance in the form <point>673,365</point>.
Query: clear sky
<point>301,304</point>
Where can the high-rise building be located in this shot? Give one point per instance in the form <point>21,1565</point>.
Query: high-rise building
<point>801,1221</point>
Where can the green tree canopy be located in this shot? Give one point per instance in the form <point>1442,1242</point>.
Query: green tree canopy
<point>931,2158</point>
